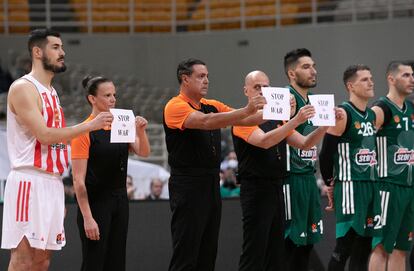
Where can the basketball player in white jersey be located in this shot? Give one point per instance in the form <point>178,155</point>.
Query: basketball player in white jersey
<point>37,144</point>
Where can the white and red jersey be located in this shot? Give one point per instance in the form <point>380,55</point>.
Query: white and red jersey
<point>24,149</point>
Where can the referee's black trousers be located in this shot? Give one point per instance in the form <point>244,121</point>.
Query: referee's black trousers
<point>111,212</point>
<point>196,213</point>
<point>263,225</point>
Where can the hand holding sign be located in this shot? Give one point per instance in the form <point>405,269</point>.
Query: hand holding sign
<point>140,123</point>
<point>278,103</point>
<point>255,103</point>
<point>292,105</point>
<point>123,128</point>
<point>305,113</point>
<point>101,121</point>
<point>324,109</point>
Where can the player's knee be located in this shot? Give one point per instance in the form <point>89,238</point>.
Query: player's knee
<point>398,253</point>
<point>42,264</point>
<point>379,251</point>
<point>21,262</point>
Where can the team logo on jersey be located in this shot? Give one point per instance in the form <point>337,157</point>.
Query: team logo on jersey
<point>357,125</point>
<point>396,119</point>
<point>410,236</point>
<point>314,228</point>
<point>403,156</point>
<point>370,222</point>
<point>60,238</point>
<point>365,157</point>
<point>310,155</point>
<point>58,146</point>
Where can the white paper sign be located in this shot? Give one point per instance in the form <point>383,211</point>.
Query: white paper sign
<point>324,109</point>
<point>123,126</point>
<point>278,103</point>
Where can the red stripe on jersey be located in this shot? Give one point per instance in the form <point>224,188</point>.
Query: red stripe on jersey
<point>65,151</point>
<point>63,117</point>
<point>57,118</point>
<point>49,123</point>
<point>27,201</point>
<point>23,198</point>
<point>49,159</point>
<point>18,201</point>
<point>38,149</point>
<point>38,155</point>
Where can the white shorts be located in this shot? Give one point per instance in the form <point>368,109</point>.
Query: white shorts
<point>34,207</point>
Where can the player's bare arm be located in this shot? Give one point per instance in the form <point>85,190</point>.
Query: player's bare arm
<point>24,101</point>
<point>379,116</point>
<point>79,167</point>
<point>266,140</point>
<point>198,120</point>
<point>141,146</point>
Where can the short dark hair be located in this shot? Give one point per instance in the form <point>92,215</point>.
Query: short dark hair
<point>293,56</point>
<point>394,66</point>
<point>38,37</point>
<point>91,83</point>
<point>186,67</point>
<point>351,71</point>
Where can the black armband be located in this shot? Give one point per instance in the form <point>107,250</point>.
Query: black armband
<point>326,163</point>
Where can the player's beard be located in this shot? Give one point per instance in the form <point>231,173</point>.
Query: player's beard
<point>303,83</point>
<point>50,67</point>
<point>401,89</point>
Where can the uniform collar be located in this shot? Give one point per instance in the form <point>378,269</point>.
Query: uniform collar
<point>185,98</point>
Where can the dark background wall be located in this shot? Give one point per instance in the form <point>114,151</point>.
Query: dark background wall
<point>149,241</point>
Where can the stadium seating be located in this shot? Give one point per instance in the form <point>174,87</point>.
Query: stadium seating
<point>167,16</point>
<point>18,16</point>
<point>106,15</point>
<point>158,15</point>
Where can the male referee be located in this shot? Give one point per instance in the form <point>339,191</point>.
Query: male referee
<point>192,132</point>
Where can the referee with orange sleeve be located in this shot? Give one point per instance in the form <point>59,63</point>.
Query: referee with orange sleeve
<point>99,170</point>
<point>261,152</point>
<point>192,131</point>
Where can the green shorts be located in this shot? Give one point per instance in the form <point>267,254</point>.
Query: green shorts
<point>357,205</point>
<point>302,209</point>
<point>397,218</point>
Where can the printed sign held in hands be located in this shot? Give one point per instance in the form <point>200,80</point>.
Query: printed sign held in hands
<point>123,126</point>
<point>324,109</point>
<point>277,103</point>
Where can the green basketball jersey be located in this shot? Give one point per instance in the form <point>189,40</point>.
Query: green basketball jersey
<point>301,161</point>
<point>395,143</point>
<point>356,158</point>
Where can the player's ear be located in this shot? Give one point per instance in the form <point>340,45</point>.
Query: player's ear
<point>291,73</point>
<point>91,99</point>
<point>37,52</point>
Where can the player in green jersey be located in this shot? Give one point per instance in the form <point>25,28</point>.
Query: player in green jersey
<point>302,200</point>
<point>395,143</point>
<point>348,160</point>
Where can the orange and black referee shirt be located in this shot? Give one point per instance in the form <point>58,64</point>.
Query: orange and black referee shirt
<point>256,162</point>
<point>192,151</point>
<point>107,162</point>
